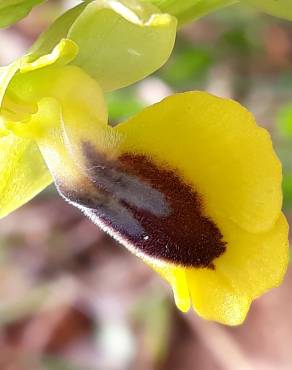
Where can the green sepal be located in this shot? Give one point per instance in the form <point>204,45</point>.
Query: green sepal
<point>120,42</point>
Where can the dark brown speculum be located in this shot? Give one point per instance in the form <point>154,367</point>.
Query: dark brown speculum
<point>150,207</point>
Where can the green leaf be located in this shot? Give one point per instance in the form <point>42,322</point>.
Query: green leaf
<point>278,8</point>
<point>13,10</point>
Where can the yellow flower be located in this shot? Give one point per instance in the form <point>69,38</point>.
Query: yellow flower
<point>191,185</point>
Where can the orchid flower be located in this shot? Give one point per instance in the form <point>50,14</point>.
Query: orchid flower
<point>191,185</point>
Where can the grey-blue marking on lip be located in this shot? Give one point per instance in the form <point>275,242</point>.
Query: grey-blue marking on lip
<point>100,205</point>
<point>123,186</point>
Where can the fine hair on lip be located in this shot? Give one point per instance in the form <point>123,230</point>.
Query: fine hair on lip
<point>150,207</point>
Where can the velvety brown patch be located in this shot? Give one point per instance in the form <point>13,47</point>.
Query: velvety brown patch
<point>150,207</point>
<point>185,236</point>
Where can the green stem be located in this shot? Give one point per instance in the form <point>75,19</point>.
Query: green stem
<point>188,10</point>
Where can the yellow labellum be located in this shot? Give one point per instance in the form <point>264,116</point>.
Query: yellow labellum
<point>191,185</point>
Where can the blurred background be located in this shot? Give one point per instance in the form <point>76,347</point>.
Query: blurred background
<point>71,298</point>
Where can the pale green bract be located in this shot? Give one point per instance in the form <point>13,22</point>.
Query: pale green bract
<point>13,10</point>
<point>120,42</point>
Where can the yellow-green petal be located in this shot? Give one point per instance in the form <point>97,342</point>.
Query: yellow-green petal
<point>78,94</point>
<point>23,173</point>
<point>6,74</point>
<point>63,53</point>
<point>40,105</point>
